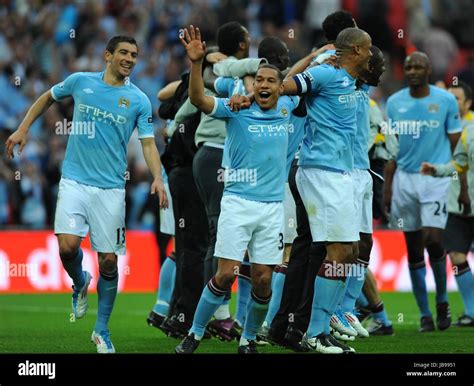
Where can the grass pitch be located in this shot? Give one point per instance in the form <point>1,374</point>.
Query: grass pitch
<point>41,324</point>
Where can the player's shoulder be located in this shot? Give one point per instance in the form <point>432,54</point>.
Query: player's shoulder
<point>86,74</point>
<point>400,94</point>
<point>440,93</point>
<point>134,89</point>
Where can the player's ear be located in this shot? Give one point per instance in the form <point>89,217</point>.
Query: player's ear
<point>281,88</point>
<point>108,56</point>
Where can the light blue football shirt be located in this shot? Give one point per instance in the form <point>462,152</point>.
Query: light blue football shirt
<point>361,142</point>
<point>103,121</point>
<point>257,144</point>
<point>331,123</point>
<point>422,126</point>
<point>226,86</point>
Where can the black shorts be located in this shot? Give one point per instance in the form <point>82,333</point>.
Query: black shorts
<point>459,233</point>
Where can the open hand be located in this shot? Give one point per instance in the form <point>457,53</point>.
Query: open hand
<point>191,40</point>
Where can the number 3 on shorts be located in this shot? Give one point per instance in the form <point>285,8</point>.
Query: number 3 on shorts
<point>281,244</point>
<point>120,230</point>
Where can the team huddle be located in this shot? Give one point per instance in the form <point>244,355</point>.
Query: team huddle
<point>270,183</point>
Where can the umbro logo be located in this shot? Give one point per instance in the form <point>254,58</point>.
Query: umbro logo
<point>345,81</point>
<point>402,110</point>
<point>88,91</point>
<point>257,113</point>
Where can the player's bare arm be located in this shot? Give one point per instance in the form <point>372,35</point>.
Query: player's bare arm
<point>168,91</point>
<point>152,158</point>
<point>19,137</point>
<point>387,188</point>
<point>196,50</point>
<point>453,140</point>
<point>305,62</point>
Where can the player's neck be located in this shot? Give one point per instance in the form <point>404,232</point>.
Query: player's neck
<point>348,66</point>
<point>112,80</point>
<point>420,91</point>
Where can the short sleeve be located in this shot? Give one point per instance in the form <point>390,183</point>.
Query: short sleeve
<point>222,85</point>
<point>66,87</point>
<point>221,109</point>
<point>291,102</point>
<point>145,120</point>
<point>314,78</point>
<point>389,109</point>
<point>453,120</point>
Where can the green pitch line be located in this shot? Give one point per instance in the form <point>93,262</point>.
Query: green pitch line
<point>41,323</point>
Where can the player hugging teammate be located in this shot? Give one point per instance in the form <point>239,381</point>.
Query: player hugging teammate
<point>292,145</point>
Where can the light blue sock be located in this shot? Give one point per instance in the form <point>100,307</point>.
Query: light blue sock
<point>243,294</point>
<point>166,287</point>
<point>107,291</point>
<point>439,271</point>
<point>354,284</point>
<point>362,301</point>
<point>211,298</point>
<point>327,295</point>
<point>74,269</point>
<point>277,292</point>
<point>465,282</point>
<point>257,309</point>
<point>418,283</point>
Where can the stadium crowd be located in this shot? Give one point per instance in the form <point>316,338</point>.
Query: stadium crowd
<point>42,42</point>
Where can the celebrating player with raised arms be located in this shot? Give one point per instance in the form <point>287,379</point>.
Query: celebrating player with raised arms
<point>91,196</point>
<point>251,215</point>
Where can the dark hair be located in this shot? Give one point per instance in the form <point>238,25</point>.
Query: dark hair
<point>377,56</point>
<point>266,65</point>
<point>228,37</point>
<point>465,87</point>
<point>113,43</point>
<point>335,23</point>
<point>273,49</point>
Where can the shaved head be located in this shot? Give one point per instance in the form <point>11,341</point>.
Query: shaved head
<point>353,47</point>
<point>419,56</point>
<point>348,38</point>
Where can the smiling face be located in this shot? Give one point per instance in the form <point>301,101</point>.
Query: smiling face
<point>267,87</point>
<point>417,70</point>
<point>122,60</point>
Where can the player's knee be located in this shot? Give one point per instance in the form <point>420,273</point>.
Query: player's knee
<point>457,258</point>
<point>262,282</point>
<point>225,279</point>
<point>107,263</point>
<point>435,250</point>
<point>67,250</point>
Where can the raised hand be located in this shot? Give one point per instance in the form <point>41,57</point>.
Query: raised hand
<point>191,40</point>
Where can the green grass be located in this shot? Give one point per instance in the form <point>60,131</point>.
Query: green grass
<point>40,324</point>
